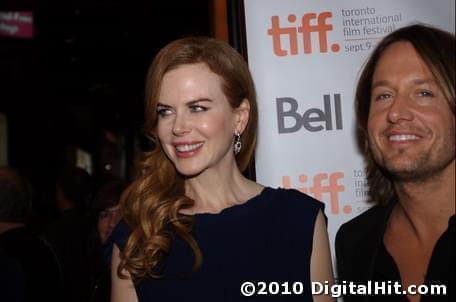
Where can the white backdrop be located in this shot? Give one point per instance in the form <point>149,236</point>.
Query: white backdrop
<point>305,57</point>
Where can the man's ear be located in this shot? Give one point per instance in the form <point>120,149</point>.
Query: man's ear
<point>242,116</point>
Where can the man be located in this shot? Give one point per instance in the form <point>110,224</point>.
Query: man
<point>28,269</point>
<point>405,103</point>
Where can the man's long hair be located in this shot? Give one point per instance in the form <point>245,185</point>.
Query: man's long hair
<point>437,49</point>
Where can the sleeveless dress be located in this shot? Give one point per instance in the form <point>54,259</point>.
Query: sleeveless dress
<point>268,238</point>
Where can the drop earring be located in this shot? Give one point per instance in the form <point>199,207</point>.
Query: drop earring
<point>237,143</point>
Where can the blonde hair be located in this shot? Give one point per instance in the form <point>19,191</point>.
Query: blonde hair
<point>151,205</point>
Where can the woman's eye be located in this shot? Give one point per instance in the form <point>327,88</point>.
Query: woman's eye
<point>197,108</point>
<point>163,112</point>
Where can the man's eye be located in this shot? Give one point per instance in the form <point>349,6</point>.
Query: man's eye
<point>383,96</point>
<point>103,215</point>
<point>425,93</point>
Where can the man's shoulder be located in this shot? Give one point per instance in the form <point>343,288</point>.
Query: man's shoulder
<point>367,223</point>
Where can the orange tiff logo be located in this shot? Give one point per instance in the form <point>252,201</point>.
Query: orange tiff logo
<point>305,29</point>
<point>322,185</point>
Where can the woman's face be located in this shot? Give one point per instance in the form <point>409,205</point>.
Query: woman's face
<point>196,124</point>
<point>107,220</point>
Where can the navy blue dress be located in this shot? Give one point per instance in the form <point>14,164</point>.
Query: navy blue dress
<point>268,238</point>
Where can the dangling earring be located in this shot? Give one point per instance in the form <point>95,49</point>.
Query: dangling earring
<point>237,143</point>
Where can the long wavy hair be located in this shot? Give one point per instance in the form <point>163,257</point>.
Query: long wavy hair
<point>437,49</point>
<point>151,205</point>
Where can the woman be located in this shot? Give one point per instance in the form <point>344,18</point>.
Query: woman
<point>194,226</point>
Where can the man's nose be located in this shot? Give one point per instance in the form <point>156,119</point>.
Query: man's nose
<point>400,109</point>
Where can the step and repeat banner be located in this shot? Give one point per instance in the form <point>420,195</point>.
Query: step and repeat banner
<point>305,57</point>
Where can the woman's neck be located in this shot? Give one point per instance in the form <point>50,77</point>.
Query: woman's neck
<point>215,190</point>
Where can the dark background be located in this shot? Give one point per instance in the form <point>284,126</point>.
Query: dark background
<point>79,83</point>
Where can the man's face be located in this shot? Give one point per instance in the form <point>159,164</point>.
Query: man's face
<point>411,127</point>
<point>107,220</point>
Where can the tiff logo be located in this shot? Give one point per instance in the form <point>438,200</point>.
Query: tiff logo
<point>305,29</point>
<point>322,183</point>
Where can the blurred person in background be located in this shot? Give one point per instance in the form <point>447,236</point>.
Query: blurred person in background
<point>104,216</point>
<point>29,270</point>
<point>68,235</point>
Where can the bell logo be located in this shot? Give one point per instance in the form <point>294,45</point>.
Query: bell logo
<point>305,29</point>
<point>324,184</point>
<point>313,119</point>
